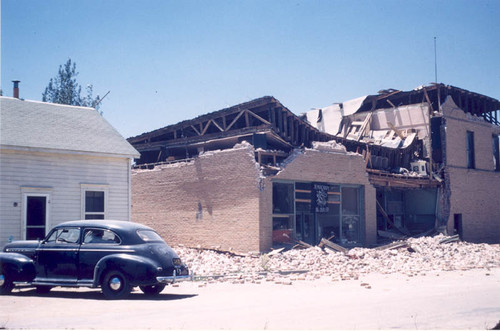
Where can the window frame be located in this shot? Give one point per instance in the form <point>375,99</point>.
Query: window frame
<point>496,151</point>
<point>87,233</point>
<point>94,188</point>
<point>470,150</point>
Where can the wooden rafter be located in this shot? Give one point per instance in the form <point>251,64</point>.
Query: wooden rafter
<point>235,119</point>
<point>218,126</point>
<point>258,117</point>
<point>196,130</point>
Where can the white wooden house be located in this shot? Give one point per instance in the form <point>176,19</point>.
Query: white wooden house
<point>59,163</point>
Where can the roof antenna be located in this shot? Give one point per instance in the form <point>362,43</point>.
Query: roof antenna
<point>435,63</point>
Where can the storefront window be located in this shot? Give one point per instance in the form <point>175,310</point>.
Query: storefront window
<point>350,215</point>
<point>283,213</point>
<point>309,211</point>
<point>282,198</point>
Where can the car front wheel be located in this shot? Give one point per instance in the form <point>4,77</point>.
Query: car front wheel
<point>115,285</point>
<point>152,289</point>
<point>6,283</point>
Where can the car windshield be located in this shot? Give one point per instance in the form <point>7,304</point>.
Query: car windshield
<point>149,235</point>
<point>65,235</point>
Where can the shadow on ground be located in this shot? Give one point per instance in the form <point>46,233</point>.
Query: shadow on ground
<point>96,294</point>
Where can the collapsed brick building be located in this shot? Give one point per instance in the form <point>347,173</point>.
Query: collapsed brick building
<point>255,175</point>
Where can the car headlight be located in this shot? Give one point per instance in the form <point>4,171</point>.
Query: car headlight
<point>177,261</point>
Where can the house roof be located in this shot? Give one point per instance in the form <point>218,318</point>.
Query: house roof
<point>55,127</point>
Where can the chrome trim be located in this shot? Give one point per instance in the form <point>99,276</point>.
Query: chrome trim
<point>57,249</point>
<point>20,250</point>
<point>174,278</point>
<point>115,283</point>
<point>106,250</point>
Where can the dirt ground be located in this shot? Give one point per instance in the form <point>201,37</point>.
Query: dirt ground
<point>444,300</point>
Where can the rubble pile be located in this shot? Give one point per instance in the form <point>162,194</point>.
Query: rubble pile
<point>411,257</point>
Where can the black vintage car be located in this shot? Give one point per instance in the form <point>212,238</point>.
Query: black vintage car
<point>113,255</point>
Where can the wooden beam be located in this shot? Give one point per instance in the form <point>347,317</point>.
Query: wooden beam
<point>224,124</point>
<point>285,123</point>
<point>218,126</point>
<point>247,119</point>
<point>258,117</point>
<point>198,132</point>
<point>428,100</point>
<point>334,247</point>
<point>206,127</point>
<point>382,211</point>
<point>235,119</point>
<point>400,135</point>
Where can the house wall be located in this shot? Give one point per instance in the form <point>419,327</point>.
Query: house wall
<point>213,201</point>
<point>338,168</point>
<point>61,176</point>
<point>475,193</point>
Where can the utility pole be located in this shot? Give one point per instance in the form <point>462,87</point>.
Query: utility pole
<point>435,63</point>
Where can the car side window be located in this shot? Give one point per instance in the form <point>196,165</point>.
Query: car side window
<point>100,236</point>
<point>65,235</point>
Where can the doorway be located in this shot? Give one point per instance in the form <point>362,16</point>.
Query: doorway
<point>305,227</point>
<point>36,213</point>
<point>458,226</point>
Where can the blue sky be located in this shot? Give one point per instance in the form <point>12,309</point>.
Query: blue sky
<point>168,61</point>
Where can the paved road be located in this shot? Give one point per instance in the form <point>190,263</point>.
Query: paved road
<point>446,300</point>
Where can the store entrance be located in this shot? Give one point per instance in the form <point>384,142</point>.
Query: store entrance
<point>305,227</point>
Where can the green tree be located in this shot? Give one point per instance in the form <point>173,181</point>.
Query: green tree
<point>65,89</point>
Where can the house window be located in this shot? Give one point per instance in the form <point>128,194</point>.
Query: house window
<point>496,152</point>
<point>94,201</point>
<point>471,163</point>
<point>94,205</point>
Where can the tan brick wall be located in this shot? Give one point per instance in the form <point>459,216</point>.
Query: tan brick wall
<point>266,217</point>
<point>338,168</point>
<point>226,186</point>
<point>236,203</point>
<point>475,193</point>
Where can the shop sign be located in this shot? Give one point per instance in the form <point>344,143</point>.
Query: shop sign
<point>319,198</point>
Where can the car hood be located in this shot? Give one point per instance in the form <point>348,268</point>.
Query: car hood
<point>25,247</point>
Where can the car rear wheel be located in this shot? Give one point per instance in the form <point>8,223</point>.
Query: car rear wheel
<point>115,285</point>
<point>152,289</point>
<point>6,284</point>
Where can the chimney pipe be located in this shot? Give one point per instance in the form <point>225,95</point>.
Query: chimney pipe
<point>16,88</point>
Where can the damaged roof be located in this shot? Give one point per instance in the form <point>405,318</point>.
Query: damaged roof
<point>435,95</point>
<point>263,121</point>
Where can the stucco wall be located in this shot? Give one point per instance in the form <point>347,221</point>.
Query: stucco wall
<point>475,193</point>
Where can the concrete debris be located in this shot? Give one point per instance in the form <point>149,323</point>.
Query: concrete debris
<point>420,255</point>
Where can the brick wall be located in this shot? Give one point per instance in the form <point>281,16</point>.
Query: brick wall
<point>475,193</point>
<point>212,201</point>
<point>337,168</point>
<point>220,200</point>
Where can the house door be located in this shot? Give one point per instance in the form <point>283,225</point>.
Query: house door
<point>305,227</point>
<point>36,216</point>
